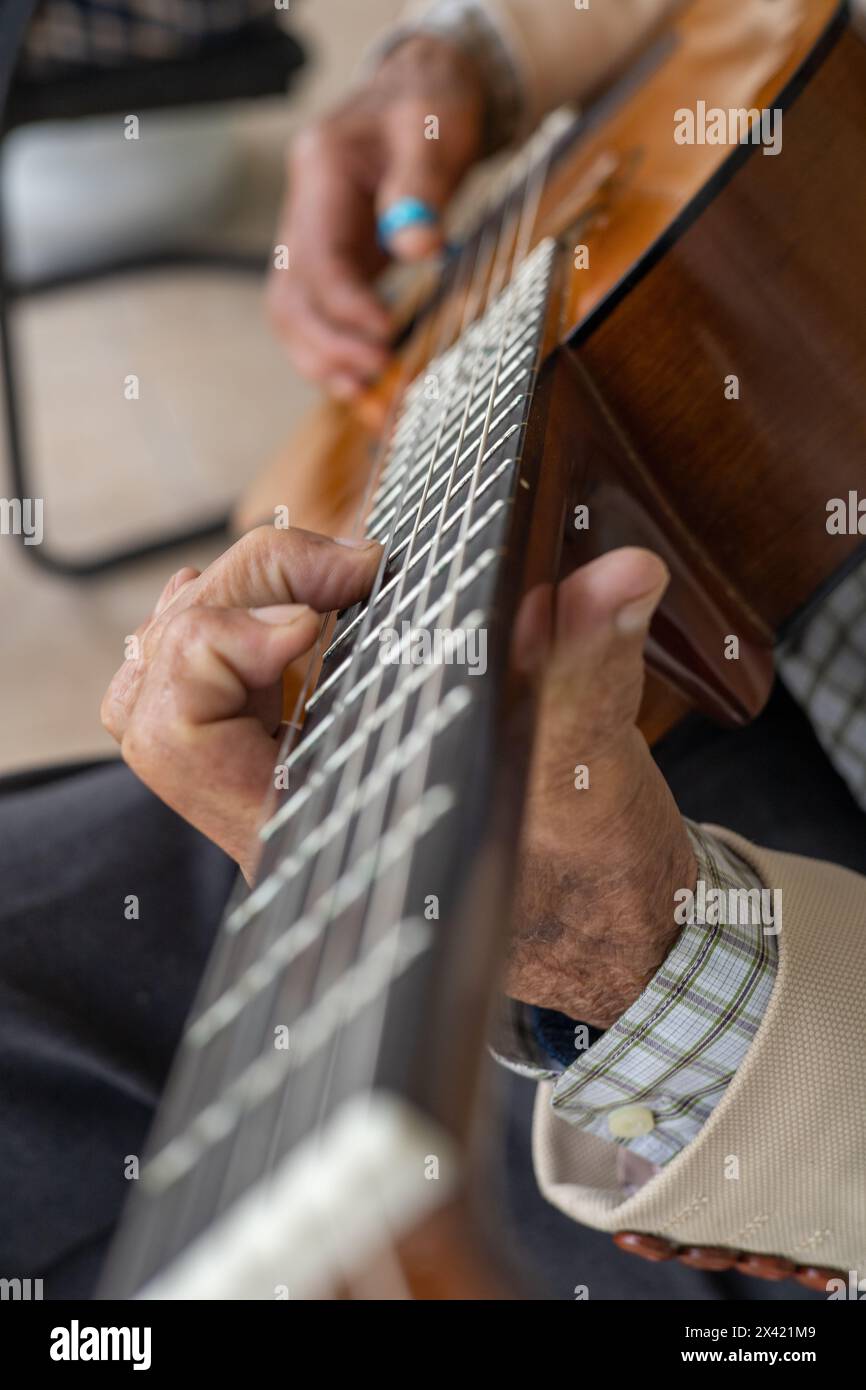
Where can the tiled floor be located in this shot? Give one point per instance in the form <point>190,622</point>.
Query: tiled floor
<point>216,398</point>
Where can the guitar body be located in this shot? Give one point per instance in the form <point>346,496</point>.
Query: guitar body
<point>693,324</point>
<point>707,373</point>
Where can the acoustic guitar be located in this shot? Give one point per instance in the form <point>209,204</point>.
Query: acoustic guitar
<point>651,339</point>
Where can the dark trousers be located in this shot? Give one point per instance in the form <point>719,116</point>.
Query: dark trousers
<point>108,910</point>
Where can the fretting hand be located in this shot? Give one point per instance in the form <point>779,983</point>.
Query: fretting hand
<point>197,711</point>
<point>197,706</point>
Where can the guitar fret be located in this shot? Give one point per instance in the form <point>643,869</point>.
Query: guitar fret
<point>370,866</point>
<point>508,377</point>
<point>376,781</point>
<point>423,466</point>
<point>408,599</point>
<point>447,460</point>
<point>435,512</point>
<point>466,577</point>
<point>444,560</point>
<point>381,529</point>
<point>356,989</point>
<point>414,445</point>
<point>416,678</point>
<point>418,458</point>
<point>452,365</point>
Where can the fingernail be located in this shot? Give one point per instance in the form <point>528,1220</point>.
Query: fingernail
<point>172,587</point>
<point>280,614</point>
<point>351,543</point>
<point>635,616</point>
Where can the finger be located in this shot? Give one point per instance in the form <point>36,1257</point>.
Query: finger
<point>266,566</point>
<point>321,348</point>
<point>349,302</point>
<point>211,661</point>
<point>124,691</point>
<point>174,585</point>
<point>421,170</point>
<point>120,695</point>
<point>331,234</point>
<point>193,715</point>
<point>271,566</point>
<point>615,594</point>
<point>533,630</point>
<point>595,676</point>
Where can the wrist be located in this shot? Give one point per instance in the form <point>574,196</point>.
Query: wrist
<point>595,919</point>
<point>648,857</point>
<point>432,65</point>
<point>466,43</point>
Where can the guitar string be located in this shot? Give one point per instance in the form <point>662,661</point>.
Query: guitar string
<point>436,326</point>
<point>319,991</point>
<point>471,306</point>
<point>379,909</point>
<point>431,693</point>
<point>441,518</point>
<point>389,1253</point>
<point>441,321</point>
<point>392,911</point>
<point>220,963</point>
<point>466,521</point>
<point>462,266</point>
<point>346,791</point>
<point>465,259</point>
<point>385,750</point>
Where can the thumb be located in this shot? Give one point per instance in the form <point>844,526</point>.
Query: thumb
<point>422,171</point>
<point>269,565</point>
<point>594,680</point>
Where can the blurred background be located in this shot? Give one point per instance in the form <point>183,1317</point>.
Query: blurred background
<point>217,397</point>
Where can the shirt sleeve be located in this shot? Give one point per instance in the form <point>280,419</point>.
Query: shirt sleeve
<point>650,1082</point>
<point>822,664</point>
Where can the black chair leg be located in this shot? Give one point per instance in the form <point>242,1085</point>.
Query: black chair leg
<point>92,567</point>
<point>239,262</point>
<point>260,60</point>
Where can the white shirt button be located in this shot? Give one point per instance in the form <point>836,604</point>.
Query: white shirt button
<point>630,1121</point>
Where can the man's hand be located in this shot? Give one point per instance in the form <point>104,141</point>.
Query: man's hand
<point>604,846</point>
<point>197,712</point>
<point>197,708</point>
<point>344,172</point>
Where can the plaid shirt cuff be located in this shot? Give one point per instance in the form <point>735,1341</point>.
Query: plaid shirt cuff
<point>822,665</point>
<point>673,1053</point>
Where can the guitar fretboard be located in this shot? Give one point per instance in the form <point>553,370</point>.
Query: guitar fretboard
<point>315,988</point>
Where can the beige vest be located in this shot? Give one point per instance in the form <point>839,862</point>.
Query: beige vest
<point>794,1116</point>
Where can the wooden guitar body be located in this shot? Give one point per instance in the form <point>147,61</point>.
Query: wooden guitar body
<point>706,371</point>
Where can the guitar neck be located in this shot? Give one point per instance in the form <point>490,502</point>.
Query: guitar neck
<point>318,1026</point>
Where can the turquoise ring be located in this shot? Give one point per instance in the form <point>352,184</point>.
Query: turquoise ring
<point>406,212</point>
